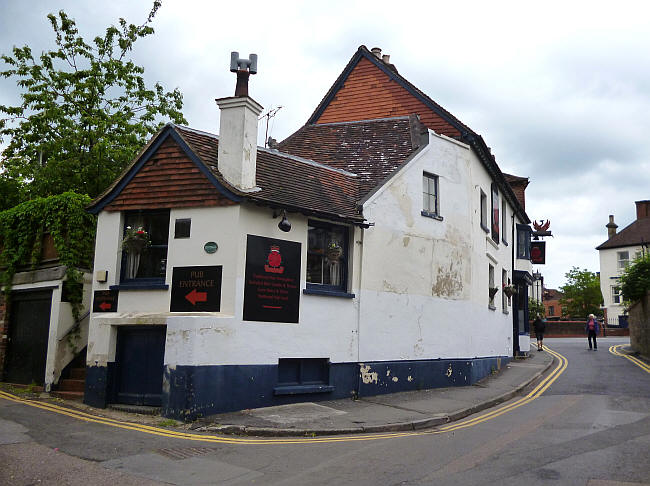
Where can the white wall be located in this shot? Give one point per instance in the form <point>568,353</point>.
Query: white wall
<point>609,273</point>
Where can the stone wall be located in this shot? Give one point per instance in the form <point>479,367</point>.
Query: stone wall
<point>640,326</point>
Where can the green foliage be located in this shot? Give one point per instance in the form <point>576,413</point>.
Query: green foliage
<point>582,294</point>
<point>85,110</point>
<point>72,230</point>
<point>635,280</point>
<point>535,308</point>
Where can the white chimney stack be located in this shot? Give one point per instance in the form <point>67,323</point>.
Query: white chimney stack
<point>237,158</point>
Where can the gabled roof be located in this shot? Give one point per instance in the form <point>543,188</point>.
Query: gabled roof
<point>637,233</point>
<point>285,181</point>
<point>402,97</point>
<point>372,149</point>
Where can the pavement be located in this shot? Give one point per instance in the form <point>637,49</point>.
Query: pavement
<point>383,413</point>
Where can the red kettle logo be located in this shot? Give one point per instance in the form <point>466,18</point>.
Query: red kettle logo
<point>274,260</point>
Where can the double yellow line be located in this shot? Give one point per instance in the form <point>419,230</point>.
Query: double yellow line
<point>616,351</point>
<point>162,432</point>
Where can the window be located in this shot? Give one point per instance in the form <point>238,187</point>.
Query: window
<point>327,256</point>
<point>151,261</point>
<point>504,297</point>
<point>617,297</point>
<point>303,375</point>
<point>430,195</point>
<point>504,221</point>
<point>491,288</point>
<point>484,212</point>
<point>494,224</point>
<point>182,228</point>
<point>551,310</point>
<point>623,258</point>
<point>523,242</point>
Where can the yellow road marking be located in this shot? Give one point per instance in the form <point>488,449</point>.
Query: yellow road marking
<point>148,429</point>
<point>615,350</point>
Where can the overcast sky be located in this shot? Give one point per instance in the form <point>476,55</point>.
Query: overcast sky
<point>559,90</point>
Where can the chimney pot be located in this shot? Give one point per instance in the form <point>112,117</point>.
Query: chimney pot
<point>611,227</point>
<point>376,51</point>
<point>386,58</point>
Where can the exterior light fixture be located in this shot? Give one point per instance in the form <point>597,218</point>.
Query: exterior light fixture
<point>284,223</point>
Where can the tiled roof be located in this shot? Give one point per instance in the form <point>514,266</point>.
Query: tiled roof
<point>372,149</point>
<point>287,181</point>
<point>635,234</point>
<point>368,87</point>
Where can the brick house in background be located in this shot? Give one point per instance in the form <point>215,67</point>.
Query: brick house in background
<point>551,302</point>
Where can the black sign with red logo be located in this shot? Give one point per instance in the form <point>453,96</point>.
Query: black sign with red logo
<point>538,252</point>
<point>105,301</point>
<point>272,286</point>
<point>196,289</point>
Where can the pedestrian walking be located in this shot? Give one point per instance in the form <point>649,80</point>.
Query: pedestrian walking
<point>591,328</point>
<point>540,327</point>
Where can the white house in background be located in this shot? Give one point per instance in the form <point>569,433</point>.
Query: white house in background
<point>357,257</point>
<point>617,253</point>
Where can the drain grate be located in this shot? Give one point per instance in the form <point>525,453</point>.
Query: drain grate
<point>181,453</point>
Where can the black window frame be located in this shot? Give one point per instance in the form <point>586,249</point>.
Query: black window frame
<point>495,217</point>
<point>523,231</point>
<point>484,211</point>
<point>434,213</point>
<point>180,225</point>
<point>301,368</point>
<point>342,288</point>
<point>147,281</point>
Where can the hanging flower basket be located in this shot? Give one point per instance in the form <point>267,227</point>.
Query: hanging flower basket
<point>509,290</point>
<point>135,240</point>
<point>493,292</point>
<point>334,252</point>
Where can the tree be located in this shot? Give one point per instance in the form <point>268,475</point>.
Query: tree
<point>535,308</point>
<point>582,294</point>
<point>635,280</point>
<point>85,110</point>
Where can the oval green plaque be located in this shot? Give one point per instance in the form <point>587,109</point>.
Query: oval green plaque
<point>210,247</point>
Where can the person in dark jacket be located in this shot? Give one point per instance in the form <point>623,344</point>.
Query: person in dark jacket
<point>592,329</point>
<point>540,326</point>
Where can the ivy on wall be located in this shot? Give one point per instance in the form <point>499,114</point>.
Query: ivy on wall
<point>72,229</point>
<point>635,281</point>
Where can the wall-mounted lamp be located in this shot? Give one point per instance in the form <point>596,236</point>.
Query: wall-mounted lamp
<point>284,223</point>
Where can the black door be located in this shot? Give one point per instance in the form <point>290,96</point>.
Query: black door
<point>139,360</point>
<point>29,327</point>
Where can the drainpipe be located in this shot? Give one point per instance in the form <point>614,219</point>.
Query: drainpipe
<point>513,241</point>
<point>363,232</point>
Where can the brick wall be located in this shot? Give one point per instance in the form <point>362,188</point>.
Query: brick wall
<point>639,320</point>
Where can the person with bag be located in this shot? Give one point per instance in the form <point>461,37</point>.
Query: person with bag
<point>540,326</point>
<point>591,328</point>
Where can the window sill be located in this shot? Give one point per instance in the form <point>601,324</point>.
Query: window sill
<point>506,312</point>
<point>492,242</point>
<point>300,389</point>
<point>327,292</point>
<point>427,214</point>
<point>144,284</point>
<point>485,228</point>
<point>492,307</point>
<point>504,242</point>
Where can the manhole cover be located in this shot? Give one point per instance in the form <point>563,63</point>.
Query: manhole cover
<point>181,453</point>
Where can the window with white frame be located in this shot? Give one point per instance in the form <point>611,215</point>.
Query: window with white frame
<point>484,212</point>
<point>523,242</point>
<point>430,198</point>
<point>144,246</point>
<point>504,223</point>
<point>504,297</point>
<point>617,297</point>
<point>327,256</point>
<point>491,286</point>
<point>623,258</point>
<point>495,219</point>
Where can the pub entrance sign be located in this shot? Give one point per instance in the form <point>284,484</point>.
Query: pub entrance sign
<point>196,289</point>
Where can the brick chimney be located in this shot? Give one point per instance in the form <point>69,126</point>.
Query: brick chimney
<point>611,227</point>
<point>237,158</point>
<point>642,209</point>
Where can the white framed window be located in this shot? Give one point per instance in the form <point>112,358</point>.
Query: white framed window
<point>430,197</point>
<point>495,220</point>
<point>623,259</point>
<point>504,297</point>
<point>491,285</point>
<point>484,212</point>
<point>617,296</point>
<point>504,223</point>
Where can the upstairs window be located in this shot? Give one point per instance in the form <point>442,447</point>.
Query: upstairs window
<point>523,242</point>
<point>484,212</point>
<point>494,226</point>
<point>504,297</point>
<point>504,223</point>
<point>430,203</point>
<point>617,297</point>
<point>327,256</point>
<point>623,258</point>
<point>146,260</point>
